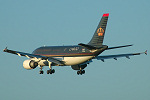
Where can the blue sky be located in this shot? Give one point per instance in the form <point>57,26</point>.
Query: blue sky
<point>28,24</point>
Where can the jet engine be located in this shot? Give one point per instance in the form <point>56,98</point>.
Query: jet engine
<point>30,64</point>
<point>77,67</point>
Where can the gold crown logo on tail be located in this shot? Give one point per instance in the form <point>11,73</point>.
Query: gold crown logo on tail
<point>100,32</point>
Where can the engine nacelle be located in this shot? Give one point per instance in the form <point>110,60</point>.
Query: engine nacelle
<point>30,64</point>
<point>77,67</point>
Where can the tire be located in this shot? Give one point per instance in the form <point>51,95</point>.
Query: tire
<point>53,71</point>
<point>47,71</point>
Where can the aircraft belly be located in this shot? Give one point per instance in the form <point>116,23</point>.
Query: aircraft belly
<point>68,60</point>
<point>76,60</point>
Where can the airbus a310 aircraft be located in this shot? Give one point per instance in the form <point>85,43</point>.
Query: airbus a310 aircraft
<point>76,56</point>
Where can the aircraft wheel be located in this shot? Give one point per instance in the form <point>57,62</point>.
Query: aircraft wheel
<point>41,72</point>
<point>51,71</point>
<point>83,71</point>
<point>47,71</point>
<point>78,72</point>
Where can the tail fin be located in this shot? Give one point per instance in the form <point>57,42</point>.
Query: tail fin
<point>97,39</point>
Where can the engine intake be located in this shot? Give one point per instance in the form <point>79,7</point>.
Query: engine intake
<point>30,64</point>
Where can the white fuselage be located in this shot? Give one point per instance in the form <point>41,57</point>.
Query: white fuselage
<point>68,60</point>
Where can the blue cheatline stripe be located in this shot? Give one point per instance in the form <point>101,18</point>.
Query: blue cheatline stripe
<point>66,54</point>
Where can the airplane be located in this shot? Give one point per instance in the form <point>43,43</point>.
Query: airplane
<point>76,56</point>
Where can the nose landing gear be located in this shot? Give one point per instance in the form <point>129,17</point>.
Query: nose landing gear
<point>41,71</point>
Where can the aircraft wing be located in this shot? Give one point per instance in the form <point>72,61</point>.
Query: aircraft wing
<point>40,57</point>
<point>102,58</point>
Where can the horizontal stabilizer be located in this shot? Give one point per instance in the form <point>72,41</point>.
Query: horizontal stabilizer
<point>118,47</point>
<point>102,58</point>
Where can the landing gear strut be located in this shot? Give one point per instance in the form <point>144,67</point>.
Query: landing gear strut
<point>41,71</point>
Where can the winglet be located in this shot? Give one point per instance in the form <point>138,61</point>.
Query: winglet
<point>5,49</point>
<point>145,52</point>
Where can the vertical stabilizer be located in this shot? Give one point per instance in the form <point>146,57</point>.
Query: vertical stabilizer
<point>97,39</point>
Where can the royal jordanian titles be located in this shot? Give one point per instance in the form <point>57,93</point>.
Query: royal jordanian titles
<point>76,56</point>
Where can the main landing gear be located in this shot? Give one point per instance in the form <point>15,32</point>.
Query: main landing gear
<point>50,71</point>
<point>80,72</point>
<point>41,72</point>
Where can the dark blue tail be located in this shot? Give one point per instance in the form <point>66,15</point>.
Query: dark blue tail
<point>97,39</point>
